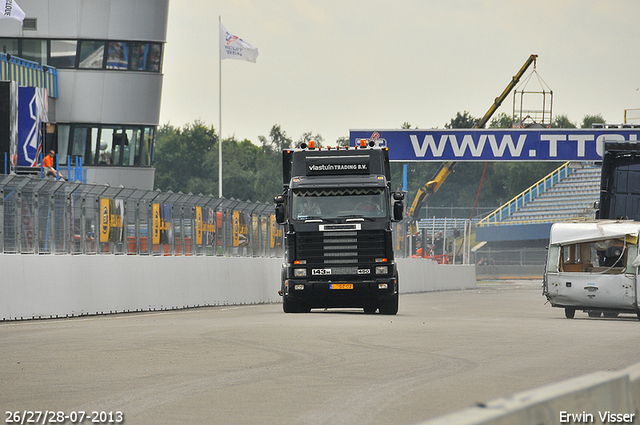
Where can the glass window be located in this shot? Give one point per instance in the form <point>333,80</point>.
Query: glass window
<point>91,54</point>
<point>120,140</point>
<point>109,145</point>
<point>602,256</point>
<point>9,46</point>
<point>63,141</point>
<point>339,203</point>
<point>145,147</point>
<point>34,50</point>
<point>63,53</point>
<point>139,56</point>
<point>106,147</point>
<point>118,57</point>
<point>155,56</point>
<point>130,149</point>
<point>84,140</point>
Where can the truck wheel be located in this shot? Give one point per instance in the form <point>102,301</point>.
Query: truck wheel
<point>611,314</point>
<point>389,306</point>
<point>593,313</point>
<point>569,313</point>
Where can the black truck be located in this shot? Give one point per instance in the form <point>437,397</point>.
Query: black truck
<point>337,207</point>
<point>620,181</point>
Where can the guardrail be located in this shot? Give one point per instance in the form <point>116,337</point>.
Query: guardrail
<point>598,398</point>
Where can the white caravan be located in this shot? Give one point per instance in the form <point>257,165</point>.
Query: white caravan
<point>593,266</point>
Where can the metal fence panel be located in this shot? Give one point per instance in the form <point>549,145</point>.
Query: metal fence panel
<point>46,216</point>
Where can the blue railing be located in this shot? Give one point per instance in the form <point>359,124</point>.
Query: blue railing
<point>75,168</point>
<point>28,73</point>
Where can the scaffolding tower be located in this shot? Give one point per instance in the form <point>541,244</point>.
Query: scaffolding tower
<point>532,107</point>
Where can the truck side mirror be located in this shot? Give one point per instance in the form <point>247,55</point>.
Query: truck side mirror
<point>279,200</point>
<point>398,206</point>
<point>398,210</point>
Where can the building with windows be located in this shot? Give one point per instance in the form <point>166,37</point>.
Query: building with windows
<point>108,55</point>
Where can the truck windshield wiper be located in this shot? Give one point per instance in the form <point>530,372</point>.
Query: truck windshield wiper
<point>310,217</point>
<point>357,216</point>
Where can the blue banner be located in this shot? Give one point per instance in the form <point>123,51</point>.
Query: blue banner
<point>32,112</point>
<point>495,144</point>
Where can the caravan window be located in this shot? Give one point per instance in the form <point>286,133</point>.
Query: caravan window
<point>603,256</point>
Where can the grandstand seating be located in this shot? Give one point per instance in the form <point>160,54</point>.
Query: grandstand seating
<point>573,197</point>
<point>527,218</point>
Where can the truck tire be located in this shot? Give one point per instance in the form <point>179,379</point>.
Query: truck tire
<point>389,306</point>
<point>569,313</point>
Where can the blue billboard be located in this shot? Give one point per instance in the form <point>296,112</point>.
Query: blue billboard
<point>495,144</point>
<point>32,112</point>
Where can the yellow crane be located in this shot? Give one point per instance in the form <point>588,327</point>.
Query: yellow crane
<point>446,168</point>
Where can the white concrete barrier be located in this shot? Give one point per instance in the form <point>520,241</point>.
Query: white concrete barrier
<point>44,286</point>
<point>424,275</point>
<point>597,398</point>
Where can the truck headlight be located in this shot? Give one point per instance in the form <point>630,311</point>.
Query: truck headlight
<point>382,269</point>
<point>299,272</point>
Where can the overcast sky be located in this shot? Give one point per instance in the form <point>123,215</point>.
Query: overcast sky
<point>328,66</point>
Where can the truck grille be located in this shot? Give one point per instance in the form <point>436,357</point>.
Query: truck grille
<point>340,248</point>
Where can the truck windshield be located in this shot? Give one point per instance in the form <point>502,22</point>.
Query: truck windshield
<point>339,203</point>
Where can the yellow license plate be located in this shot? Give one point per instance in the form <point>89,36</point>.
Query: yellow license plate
<point>341,286</point>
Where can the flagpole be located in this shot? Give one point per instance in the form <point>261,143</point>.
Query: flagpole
<point>219,109</point>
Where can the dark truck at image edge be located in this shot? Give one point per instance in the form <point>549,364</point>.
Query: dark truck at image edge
<point>337,207</point>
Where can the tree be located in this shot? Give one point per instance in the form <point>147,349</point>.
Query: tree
<point>182,158</point>
<point>307,137</point>
<point>342,142</point>
<point>277,141</point>
<point>502,121</point>
<point>561,121</point>
<point>463,120</point>
<point>589,120</point>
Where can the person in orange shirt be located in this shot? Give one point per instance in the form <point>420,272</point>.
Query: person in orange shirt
<point>47,164</point>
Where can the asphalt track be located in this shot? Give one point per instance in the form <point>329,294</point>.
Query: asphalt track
<point>256,365</point>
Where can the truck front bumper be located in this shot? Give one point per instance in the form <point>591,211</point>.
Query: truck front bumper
<point>339,293</point>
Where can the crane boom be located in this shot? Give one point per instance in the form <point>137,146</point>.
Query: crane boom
<point>446,168</point>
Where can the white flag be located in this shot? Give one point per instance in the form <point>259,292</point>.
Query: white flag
<point>11,10</point>
<point>233,47</point>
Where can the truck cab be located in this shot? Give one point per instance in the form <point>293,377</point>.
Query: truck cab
<point>337,208</point>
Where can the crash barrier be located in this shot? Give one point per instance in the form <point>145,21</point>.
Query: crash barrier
<point>47,216</point>
<point>596,398</point>
<point>50,286</point>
